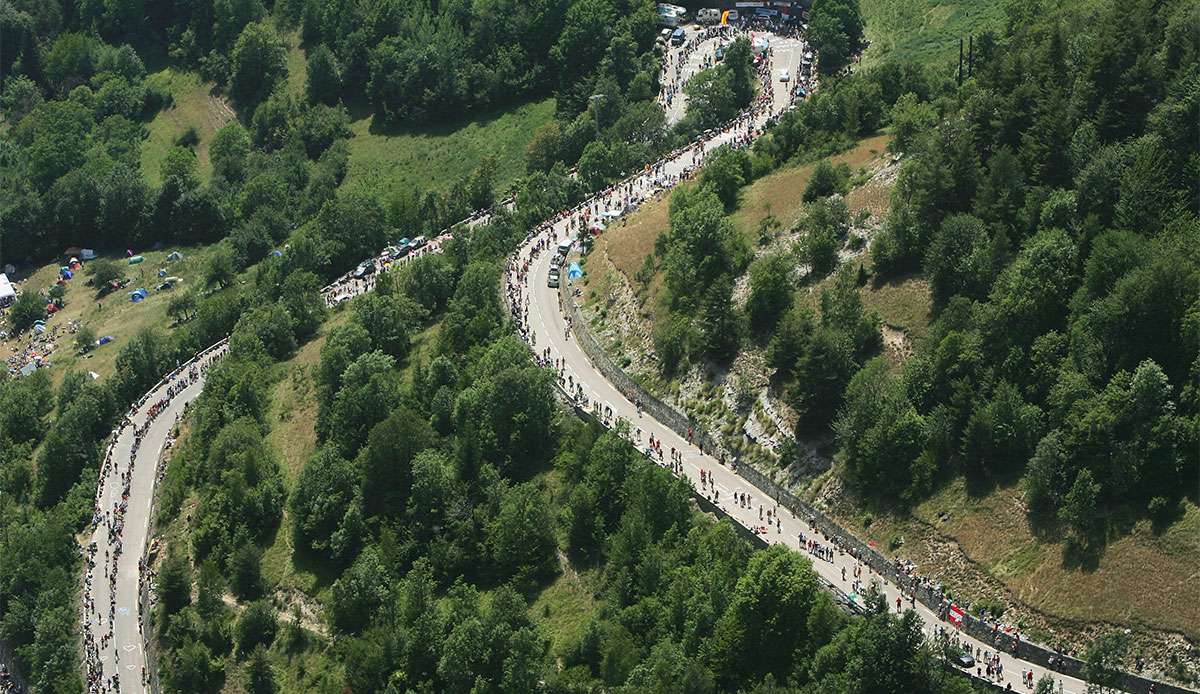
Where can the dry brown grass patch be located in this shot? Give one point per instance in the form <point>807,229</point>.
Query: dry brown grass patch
<point>903,304</point>
<point>1140,578</point>
<point>780,193</point>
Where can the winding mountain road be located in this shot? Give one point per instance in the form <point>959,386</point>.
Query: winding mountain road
<point>539,311</point>
<point>116,578</point>
<point>114,656</point>
<point>114,640</point>
<point>547,328</point>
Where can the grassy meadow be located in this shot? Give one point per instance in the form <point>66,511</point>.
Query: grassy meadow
<point>435,157</point>
<point>196,105</point>
<point>112,314</point>
<point>925,31</point>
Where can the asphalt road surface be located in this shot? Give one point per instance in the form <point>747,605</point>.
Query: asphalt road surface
<point>114,647</point>
<point>110,610</point>
<point>545,326</point>
<point>680,65</point>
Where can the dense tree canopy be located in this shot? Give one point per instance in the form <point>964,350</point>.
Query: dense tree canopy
<point>1047,202</point>
<point>1042,229</point>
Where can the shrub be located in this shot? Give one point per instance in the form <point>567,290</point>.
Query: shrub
<point>256,626</point>
<point>25,311</point>
<point>189,138</point>
<point>826,180</point>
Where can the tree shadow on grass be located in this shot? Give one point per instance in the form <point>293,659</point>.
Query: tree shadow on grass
<point>878,281</point>
<point>1172,513</point>
<point>360,108</point>
<point>982,482</point>
<point>1083,554</point>
<point>304,560</point>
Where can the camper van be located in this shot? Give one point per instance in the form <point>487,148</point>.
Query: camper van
<point>7,293</point>
<point>676,10</point>
<point>671,15</point>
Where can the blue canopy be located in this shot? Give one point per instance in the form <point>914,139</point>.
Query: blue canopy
<point>574,272</point>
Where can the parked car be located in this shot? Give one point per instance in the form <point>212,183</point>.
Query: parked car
<point>963,659</point>
<point>560,255</point>
<point>552,280</point>
<point>364,269</point>
<point>418,242</point>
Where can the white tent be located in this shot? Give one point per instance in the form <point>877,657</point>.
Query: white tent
<point>7,293</point>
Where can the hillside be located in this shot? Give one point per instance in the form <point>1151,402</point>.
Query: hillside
<point>436,157</point>
<point>926,31</point>
<point>354,538</point>
<point>625,304</point>
<point>104,314</point>
<point>202,132</point>
<point>1002,495</point>
<point>197,109</point>
<point>960,318</point>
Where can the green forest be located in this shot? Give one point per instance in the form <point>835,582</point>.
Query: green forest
<point>1050,200</point>
<point>76,104</point>
<point>1051,203</point>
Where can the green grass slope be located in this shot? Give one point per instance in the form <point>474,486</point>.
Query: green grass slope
<point>434,157</point>
<point>926,31</point>
<point>195,105</point>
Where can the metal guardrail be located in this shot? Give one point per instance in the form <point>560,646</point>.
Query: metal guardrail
<point>681,424</point>
<point>631,389</point>
<point>148,644</point>
<point>982,630</point>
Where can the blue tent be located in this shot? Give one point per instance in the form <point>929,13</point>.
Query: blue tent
<point>574,272</point>
<point>138,294</point>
